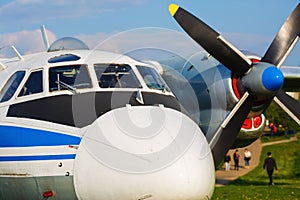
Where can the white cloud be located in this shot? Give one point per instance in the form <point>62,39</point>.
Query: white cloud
<point>132,41</point>
<point>25,41</point>
<point>124,42</point>
<point>142,38</point>
<point>169,40</point>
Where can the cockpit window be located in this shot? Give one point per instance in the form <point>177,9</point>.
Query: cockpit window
<point>69,77</point>
<point>11,86</point>
<point>116,76</point>
<point>152,79</point>
<point>33,85</point>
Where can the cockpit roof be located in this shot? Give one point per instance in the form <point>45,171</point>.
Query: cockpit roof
<point>71,52</point>
<point>41,59</point>
<point>67,43</point>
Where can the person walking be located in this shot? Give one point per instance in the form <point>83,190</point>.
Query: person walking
<point>270,165</point>
<point>236,158</point>
<point>247,157</point>
<point>227,160</point>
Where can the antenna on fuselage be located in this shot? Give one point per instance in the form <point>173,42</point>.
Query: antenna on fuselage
<point>17,53</point>
<point>45,38</point>
<point>2,66</point>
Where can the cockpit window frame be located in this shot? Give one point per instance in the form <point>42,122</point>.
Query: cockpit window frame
<point>159,85</point>
<point>10,91</point>
<point>67,86</point>
<point>26,79</point>
<point>128,82</point>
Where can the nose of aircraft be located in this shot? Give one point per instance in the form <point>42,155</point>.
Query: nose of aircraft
<point>143,152</point>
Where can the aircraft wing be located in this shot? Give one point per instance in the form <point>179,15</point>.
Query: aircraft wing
<point>291,78</point>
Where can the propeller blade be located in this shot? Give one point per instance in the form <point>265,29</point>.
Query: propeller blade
<point>285,40</point>
<point>230,128</point>
<point>289,105</point>
<point>211,41</point>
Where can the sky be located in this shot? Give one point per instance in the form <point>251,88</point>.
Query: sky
<point>126,25</point>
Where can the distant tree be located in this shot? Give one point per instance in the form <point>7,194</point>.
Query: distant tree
<point>278,116</point>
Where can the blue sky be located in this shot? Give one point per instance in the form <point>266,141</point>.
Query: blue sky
<point>249,25</point>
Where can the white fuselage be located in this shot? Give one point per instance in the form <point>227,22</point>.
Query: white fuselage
<point>81,124</point>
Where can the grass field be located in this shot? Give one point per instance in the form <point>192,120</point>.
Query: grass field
<point>254,185</point>
<point>266,139</point>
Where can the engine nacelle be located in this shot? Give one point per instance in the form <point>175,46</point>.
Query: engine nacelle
<point>250,131</point>
<point>263,81</point>
<point>208,91</point>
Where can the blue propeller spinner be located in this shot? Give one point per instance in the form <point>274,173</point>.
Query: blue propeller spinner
<point>272,78</point>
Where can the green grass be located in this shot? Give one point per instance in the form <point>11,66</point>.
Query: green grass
<point>265,139</point>
<point>254,185</point>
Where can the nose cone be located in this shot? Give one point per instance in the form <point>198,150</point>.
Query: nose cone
<point>144,152</point>
<point>272,79</point>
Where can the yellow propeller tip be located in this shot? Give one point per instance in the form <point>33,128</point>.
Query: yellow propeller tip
<point>173,9</point>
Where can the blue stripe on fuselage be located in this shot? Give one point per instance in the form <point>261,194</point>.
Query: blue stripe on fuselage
<point>11,136</point>
<point>37,158</point>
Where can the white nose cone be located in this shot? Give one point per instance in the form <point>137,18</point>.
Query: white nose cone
<point>144,152</point>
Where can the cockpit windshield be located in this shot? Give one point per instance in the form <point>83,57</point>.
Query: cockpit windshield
<point>11,86</point>
<point>116,76</point>
<point>70,77</point>
<point>152,79</point>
